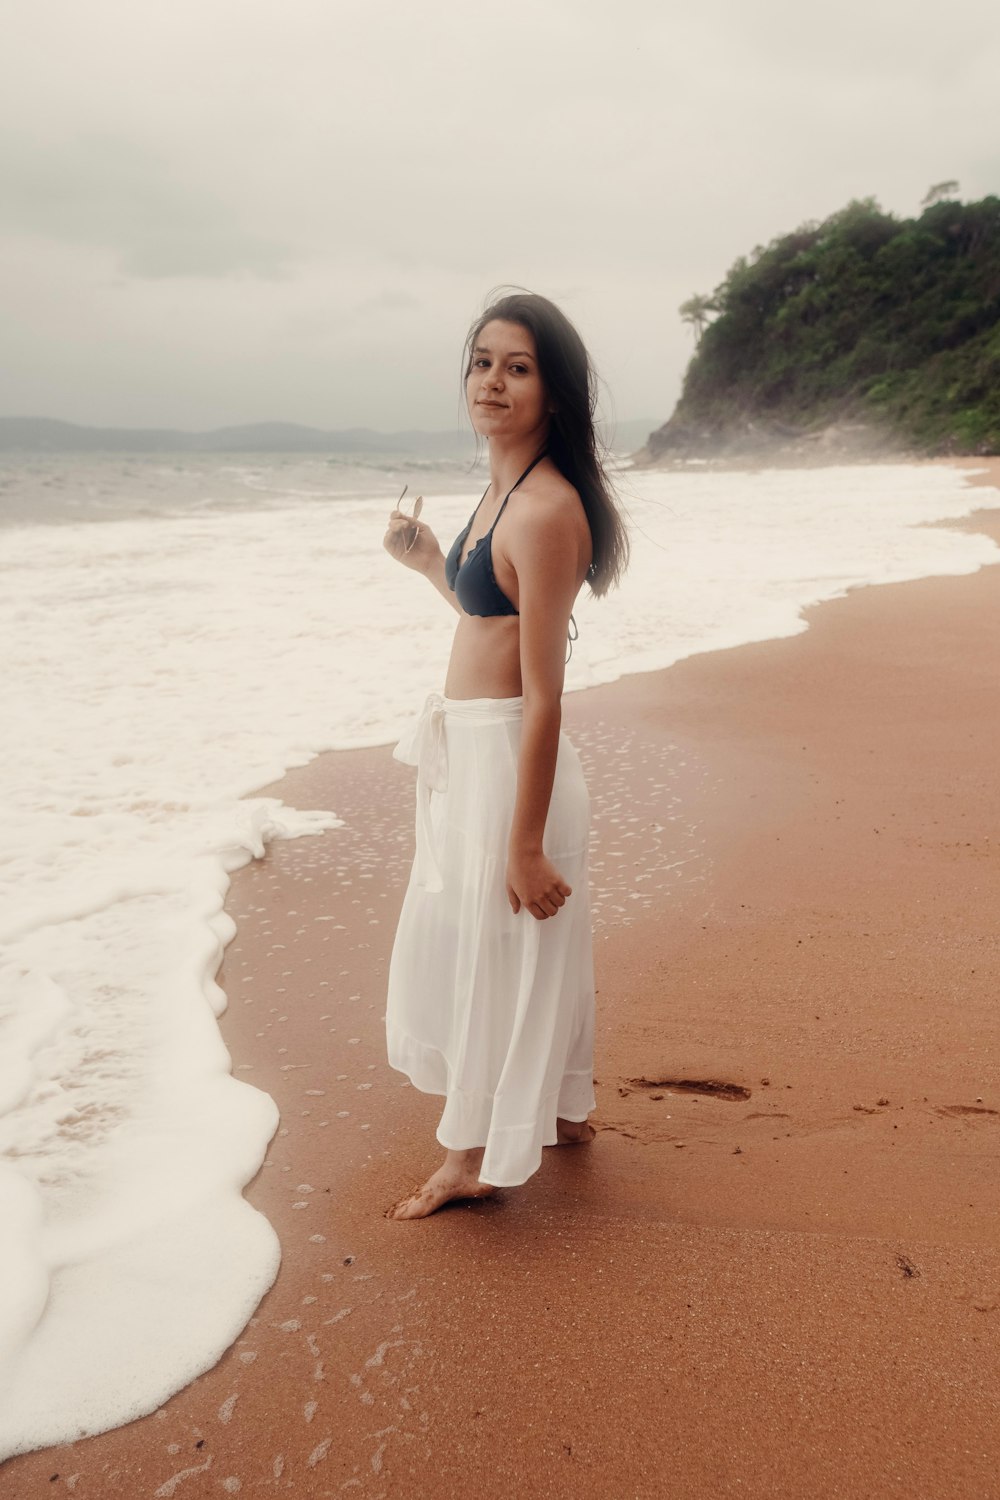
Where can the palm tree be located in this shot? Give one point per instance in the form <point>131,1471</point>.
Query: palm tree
<point>695,311</point>
<point>938,191</point>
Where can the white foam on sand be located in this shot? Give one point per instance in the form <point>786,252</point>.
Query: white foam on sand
<point>723,559</point>
<point>157,672</point>
<point>130,1259</point>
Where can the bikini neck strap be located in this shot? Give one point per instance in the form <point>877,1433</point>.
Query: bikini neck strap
<point>534,461</point>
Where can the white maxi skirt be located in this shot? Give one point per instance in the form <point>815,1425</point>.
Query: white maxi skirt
<point>494,1011</point>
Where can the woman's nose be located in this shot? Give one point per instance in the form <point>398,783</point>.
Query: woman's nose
<point>492,378</point>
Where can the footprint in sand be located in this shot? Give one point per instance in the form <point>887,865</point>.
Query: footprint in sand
<point>708,1087</point>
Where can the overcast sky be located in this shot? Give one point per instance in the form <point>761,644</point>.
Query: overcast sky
<point>217,211</point>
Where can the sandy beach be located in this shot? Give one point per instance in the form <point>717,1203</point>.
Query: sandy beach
<point>776,1271</point>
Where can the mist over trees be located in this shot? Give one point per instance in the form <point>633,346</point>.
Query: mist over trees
<point>863,318</point>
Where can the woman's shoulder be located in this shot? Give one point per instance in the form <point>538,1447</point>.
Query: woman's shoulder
<point>549,499</point>
<point>550,521</point>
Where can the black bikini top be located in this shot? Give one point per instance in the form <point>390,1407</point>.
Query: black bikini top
<point>474,583</point>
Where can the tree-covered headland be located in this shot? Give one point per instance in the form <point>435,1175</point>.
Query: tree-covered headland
<point>868,326</point>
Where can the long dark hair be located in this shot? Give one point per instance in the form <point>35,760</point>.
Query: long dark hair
<point>571,385</point>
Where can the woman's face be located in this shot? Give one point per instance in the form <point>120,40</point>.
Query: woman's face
<point>504,388</point>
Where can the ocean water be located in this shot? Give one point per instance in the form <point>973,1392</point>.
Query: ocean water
<point>178,632</point>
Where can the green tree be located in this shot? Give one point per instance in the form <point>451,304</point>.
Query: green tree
<point>893,322</point>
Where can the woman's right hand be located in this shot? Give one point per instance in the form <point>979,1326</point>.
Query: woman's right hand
<point>410,542</point>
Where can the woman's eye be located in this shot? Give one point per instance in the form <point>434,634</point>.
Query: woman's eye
<point>519,369</point>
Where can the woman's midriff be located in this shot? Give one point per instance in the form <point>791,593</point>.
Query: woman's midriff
<point>485,658</point>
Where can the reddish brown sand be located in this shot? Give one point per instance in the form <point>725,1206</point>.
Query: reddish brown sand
<point>788,1286</point>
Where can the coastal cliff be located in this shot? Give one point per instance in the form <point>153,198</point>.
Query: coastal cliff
<point>859,337</point>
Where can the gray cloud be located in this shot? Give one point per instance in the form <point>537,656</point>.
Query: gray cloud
<point>204,251</point>
<point>101,188</point>
<point>389,301</point>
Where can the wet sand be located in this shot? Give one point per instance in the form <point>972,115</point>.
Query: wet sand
<point>776,1271</point>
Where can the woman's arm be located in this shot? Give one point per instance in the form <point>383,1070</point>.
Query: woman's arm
<point>414,544</point>
<point>544,551</point>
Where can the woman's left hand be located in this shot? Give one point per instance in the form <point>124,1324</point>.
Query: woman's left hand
<point>534,883</point>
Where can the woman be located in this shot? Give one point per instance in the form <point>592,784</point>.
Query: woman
<point>491,993</point>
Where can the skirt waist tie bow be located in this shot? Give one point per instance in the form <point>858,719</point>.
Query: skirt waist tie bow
<point>426,747</point>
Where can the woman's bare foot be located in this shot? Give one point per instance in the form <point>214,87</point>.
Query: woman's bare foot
<point>457,1178</point>
<point>574,1132</point>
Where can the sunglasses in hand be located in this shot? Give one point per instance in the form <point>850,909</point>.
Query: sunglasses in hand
<point>418,506</point>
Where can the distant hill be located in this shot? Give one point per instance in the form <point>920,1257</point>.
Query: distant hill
<point>864,332</point>
<point>46,435</point>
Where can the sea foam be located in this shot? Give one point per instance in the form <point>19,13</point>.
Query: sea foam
<point>159,670</point>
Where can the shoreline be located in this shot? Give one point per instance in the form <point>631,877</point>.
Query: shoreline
<point>795,898</point>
